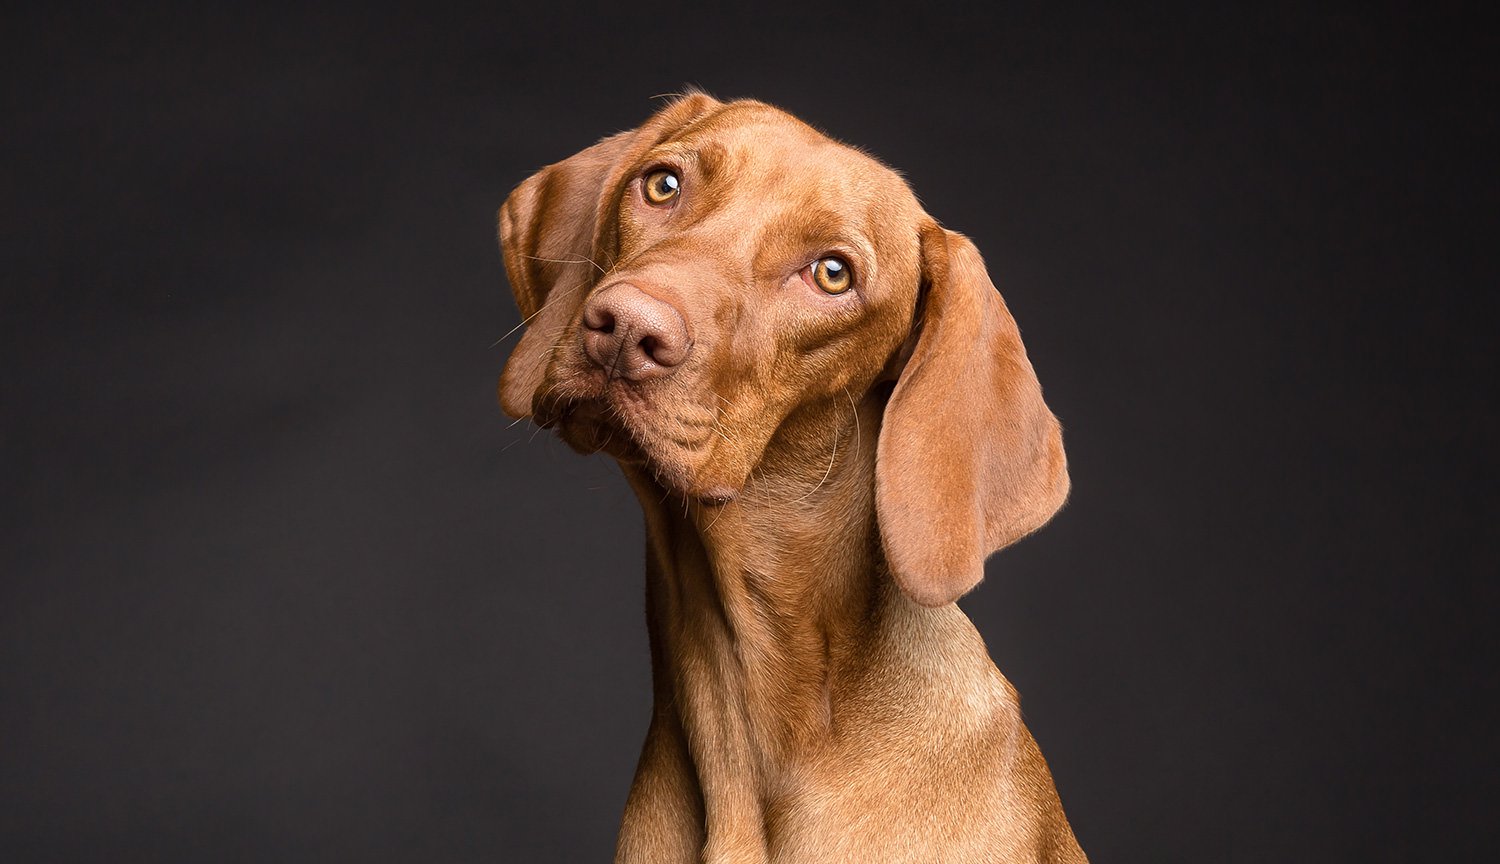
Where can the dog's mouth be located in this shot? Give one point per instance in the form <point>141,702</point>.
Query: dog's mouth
<point>674,442</point>
<point>585,424</point>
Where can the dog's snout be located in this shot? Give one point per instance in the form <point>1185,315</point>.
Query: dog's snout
<point>629,333</point>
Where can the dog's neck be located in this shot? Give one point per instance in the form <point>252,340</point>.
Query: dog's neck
<point>768,613</point>
<point>754,599</point>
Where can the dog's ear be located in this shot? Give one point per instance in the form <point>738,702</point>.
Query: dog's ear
<point>556,246</point>
<point>970,459</point>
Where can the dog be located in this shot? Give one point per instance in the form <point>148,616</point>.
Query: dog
<point>826,411</point>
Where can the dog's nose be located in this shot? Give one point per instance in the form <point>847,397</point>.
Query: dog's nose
<point>629,333</point>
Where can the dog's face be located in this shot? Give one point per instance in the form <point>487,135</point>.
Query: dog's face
<point>751,266</point>
<point>693,286</point>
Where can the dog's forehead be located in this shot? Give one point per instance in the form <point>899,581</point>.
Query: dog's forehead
<point>766,148</point>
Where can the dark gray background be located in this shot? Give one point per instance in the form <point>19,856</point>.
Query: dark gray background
<point>280,583</point>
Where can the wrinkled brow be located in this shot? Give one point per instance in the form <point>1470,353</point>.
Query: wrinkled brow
<point>808,232</point>
<point>708,160</point>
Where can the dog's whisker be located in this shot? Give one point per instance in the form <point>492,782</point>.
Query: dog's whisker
<point>556,295</point>
<point>582,259</point>
<point>854,411</point>
<point>608,438</point>
<point>545,357</point>
<point>717,516</point>
<point>718,426</point>
<point>548,392</point>
<point>826,474</point>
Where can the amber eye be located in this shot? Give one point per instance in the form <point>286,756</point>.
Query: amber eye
<point>832,275</point>
<point>662,186</point>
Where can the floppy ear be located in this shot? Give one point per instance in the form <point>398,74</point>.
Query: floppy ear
<point>551,235</point>
<point>970,459</point>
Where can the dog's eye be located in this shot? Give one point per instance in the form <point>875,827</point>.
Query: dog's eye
<point>831,274</point>
<point>661,186</point>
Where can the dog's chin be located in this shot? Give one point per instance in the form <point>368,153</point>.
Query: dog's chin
<point>589,426</point>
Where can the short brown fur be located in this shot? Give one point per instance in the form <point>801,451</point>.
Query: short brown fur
<point>822,476</point>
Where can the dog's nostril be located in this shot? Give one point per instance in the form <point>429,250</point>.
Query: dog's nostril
<point>599,319</point>
<point>649,346</point>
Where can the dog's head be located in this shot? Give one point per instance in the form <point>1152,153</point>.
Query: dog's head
<point>692,284</point>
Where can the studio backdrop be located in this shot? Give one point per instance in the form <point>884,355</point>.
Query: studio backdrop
<point>280,582</point>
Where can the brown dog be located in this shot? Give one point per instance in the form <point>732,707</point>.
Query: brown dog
<point>829,418</point>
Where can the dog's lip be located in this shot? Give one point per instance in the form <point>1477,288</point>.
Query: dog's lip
<point>617,409</point>
<point>560,397</point>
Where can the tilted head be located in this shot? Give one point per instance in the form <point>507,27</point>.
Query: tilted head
<point>690,286</point>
